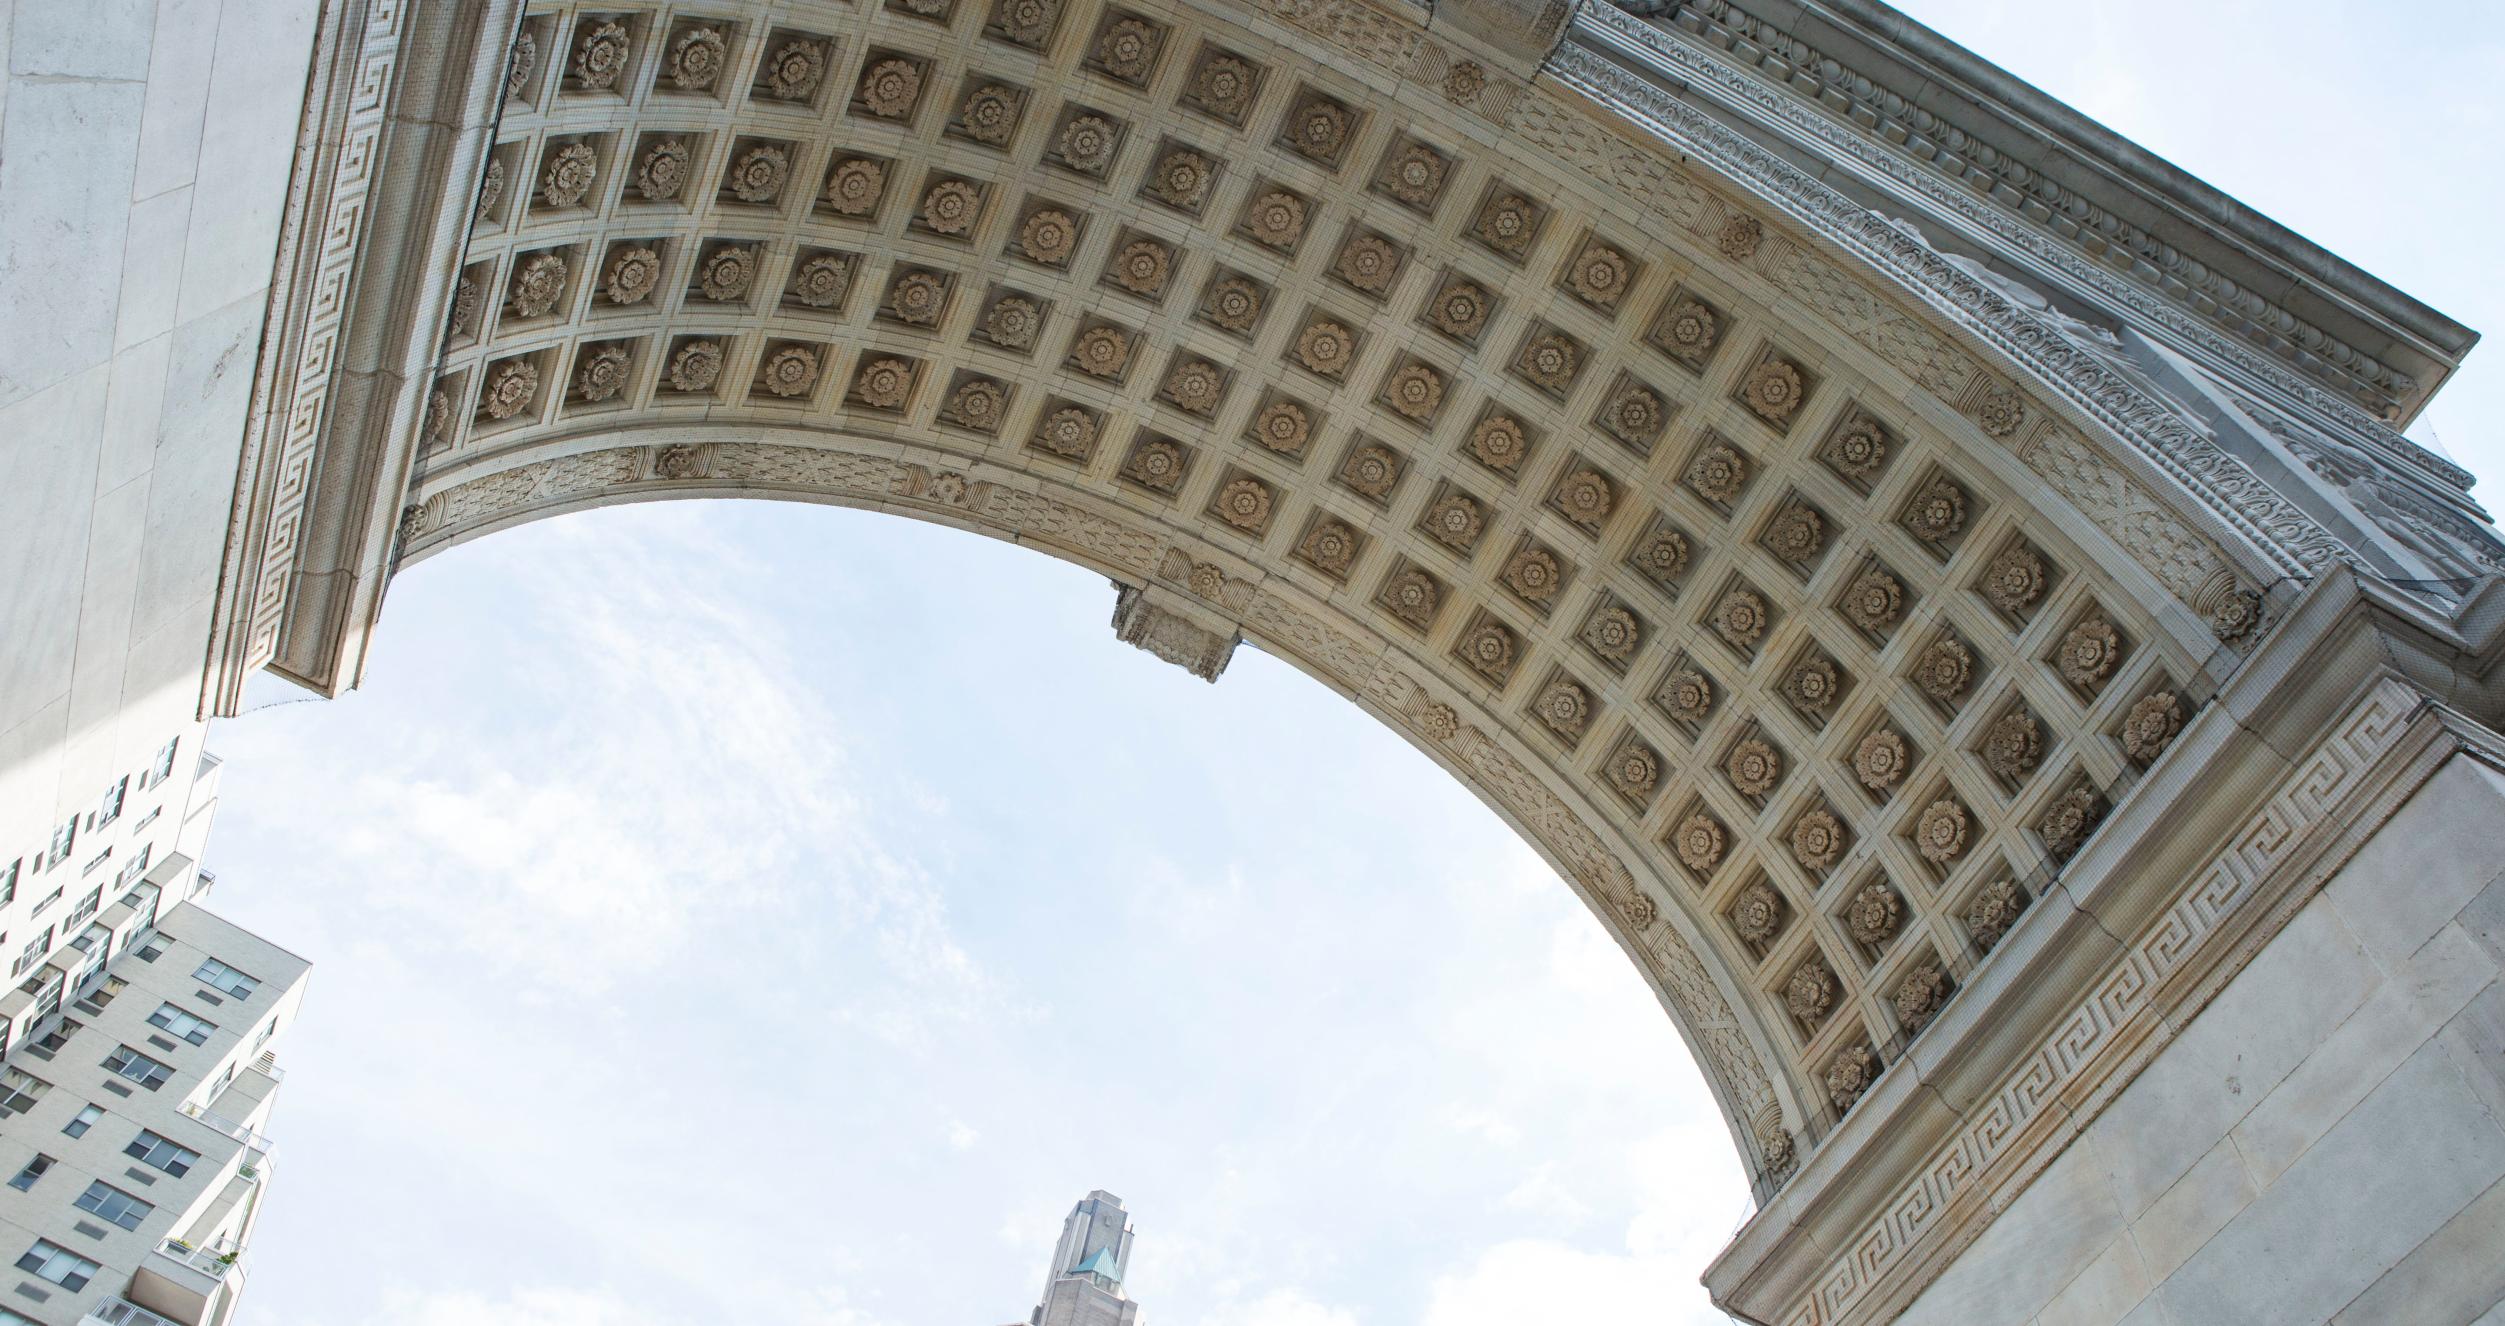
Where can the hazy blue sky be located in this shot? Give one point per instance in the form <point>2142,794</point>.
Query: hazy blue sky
<point>744,912</point>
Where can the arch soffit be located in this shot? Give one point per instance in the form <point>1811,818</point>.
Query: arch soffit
<point>1605,532</point>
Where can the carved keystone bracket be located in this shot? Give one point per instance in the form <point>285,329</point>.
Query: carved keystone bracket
<point>1160,624</point>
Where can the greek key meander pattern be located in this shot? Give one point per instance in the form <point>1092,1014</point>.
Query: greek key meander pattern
<point>1795,684</point>
<point>2306,796</point>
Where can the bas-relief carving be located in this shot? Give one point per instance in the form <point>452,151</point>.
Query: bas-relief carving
<point>1140,620</point>
<point>2433,527</point>
<point>2076,1050</point>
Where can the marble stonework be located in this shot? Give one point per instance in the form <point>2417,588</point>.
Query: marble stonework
<point>1965,667</point>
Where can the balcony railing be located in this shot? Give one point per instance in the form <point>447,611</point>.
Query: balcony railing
<point>123,1312</point>
<point>216,1260</point>
<point>228,1126</point>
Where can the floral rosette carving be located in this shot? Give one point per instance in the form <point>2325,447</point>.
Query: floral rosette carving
<point>697,58</point>
<point>1758,913</point>
<point>1532,573</point>
<point>2014,580</point>
<point>1850,1074</point>
<point>1613,633</point>
<point>855,185</point>
<point>1774,391</point>
<point>1011,323</point>
<point>1754,768</point>
<point>1499,443</point>
<point>1234,303</point>
<point>951,206</point>
<point>1326,347</point>
<point>1797,534</point>
<point>2151,726</point>
<point>819,282</point>
<point>1598,276</point>
<point>1181,179</point>
<point>696,366</point>
<point>1873,601</point>
<point>1506,223</point>
<point>662,173</point>
<point>511,388</point>
<point>979,404</point>
<point>1859,448</point>
<point>1940,835</point>
<point>1415,175</point>
<point>1717,474</point>
<point>520,63</point>
<point>1739,238</point>
<point>600,53</point>
<point>758,175</point>
<point>790,371</point>
<point>2089,652</point>
<point>1143,266</point>
<point>1810,994</point>
<point>1330,547</point>
<point>2234,615</point>
<point>1128,49</point>
<point>1880,760</point>
<point>1412,596</point>
<point>1456,521</point>
<point>490,189</point>
<point>1688,695</point>
<point>1698,841</point>
<point>1463,82</point>
<point>1662,555</point>
<point>1440,722</point>
<point>571,170</point>
<point>1586,498</point>
<point>883,384</point>
<point>1372,471</point>
<point>437,429</point>
<point>1921,995</point>
<point>1460,310</point>
<point>2067,822</point>
<point>1318,129</point>
<point>1993,911</point>
<point>1068,431</point>
<point>889,88</point>
<point>1813,687</point>
<point>1368,262</point>
<point>601,374</point>
<point>1489,648</point>
<point>1944,670</point>
<point>1283,427</point>
<point>1937,513</point>
<point>633,273</point>
<point>1874,916</point>
<point>2001,412</point>
<point>1047,236</point>
<point>463,321</point>
<point>1817,840</point>
<point>1027,23</point>
<point>1195,386</point>
<point>1416,391</point>
<point>1689,331</point>
<point>1565,706</point>
<point>1740,618</point>
<point>1087,144</point>
<point>1223,86</point>
<point>1102,351</point>
<point>990,114</point>
<point>2012,745</point>
<point>727,272</point>
<point>1635,416</point>
<point>1245,504</point>
<point>795,70</point>
<point>1277,219</point>
<point>1155,464</point>
<point>1550,360</point>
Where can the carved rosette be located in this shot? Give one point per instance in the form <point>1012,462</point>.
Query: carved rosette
<point>2151,726</point>
<point>697,58</point>
<point>758,175</point>
<point>1758,913</point>
<point>790,371</point>
<point>978,404</point>
<point>1047,236</point>
<point>1415,174</point>
<point>1412,596</point>
<point>2067,822</point>
<point>1688,331</point>
<point>1717,474</point>
<point>1245,504</point>
<point>1234,303</point>
<point>1817,840</point>
<point>1499,443</point>
<point>1276,219</point>
<point>1635,770</point>
<point>883,384</point>
<point>1873,601</point>
<point>990,114</point>
<point>1416,391</point>
<point>569,174</point>
<point>796,69</point>
<point>1372,471</point>
<point>1331,545</point>
<point>1875,915</point>
<point>1993,911</point>
<point>1068,432</point>
<point>1774,391</point>
<point>819,282</point>
<point>1797,534</point>
<point>1813,687</point>
<point>1859,448</point>
<point>1283,427</point>
<point>1565,707</point>
<point>2012,745</point>
<point>1181,180</point>
<point>951,206</point>
<point>2089,652</point>
<point>1740,618</point>
<point>1849,1074</point>
<point>855,185</point>
<point>1810,993</point>
<point>696,366</point>
<point>1940,835</point>
<point>1613,633</point>
<point>1945,670</point>
<point>1489,648</point>
<point>1326,348</point>
<point>1921,995</point>
<point>1456,521</point>
<point>1753,768</point>
<point>2014,580</point>
<point>1586,498</point>
<point>1688,695</point>
<point>1937,513</point>
<point>661,173</point>
<point>633,273</point>
<point>602,373</point>
<point>512,386</point>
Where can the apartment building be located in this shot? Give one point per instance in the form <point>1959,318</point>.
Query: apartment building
<point>134,1103</point>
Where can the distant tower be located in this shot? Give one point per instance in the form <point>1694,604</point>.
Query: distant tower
<point>1084,1287</point>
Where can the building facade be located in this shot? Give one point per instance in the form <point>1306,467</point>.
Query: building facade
<point>1084,1286</point>
<point>1947,590</point>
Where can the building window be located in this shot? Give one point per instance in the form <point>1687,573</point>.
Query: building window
<point>63,839</point>
<point>268,1029</point>
<point>110,808</point>
<point>193,1029</point>
<point>165,1155</point>
<point>8,882</point>
<point>87,906</point>
<point>33,953</point>
<point>8,1318</point>
<point>226,980</point>
<point>88,1117</point>
<point>164,767</point>
<point>58,1265</point>
<point>138,866</point>
<point>153,949</point>
<point>51,1042</point>
<point>19,1090</point>
<point>25,1179</point>
<point>129,1063</point>
<point>49,899</point>
<point>98,999</point>
<point>108,1202</point>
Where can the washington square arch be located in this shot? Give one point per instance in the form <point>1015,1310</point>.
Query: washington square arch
<point>1947,590</point>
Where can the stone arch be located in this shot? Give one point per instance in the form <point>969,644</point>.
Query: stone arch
<point>1792,590</point>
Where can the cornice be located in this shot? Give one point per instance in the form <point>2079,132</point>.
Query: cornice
<point>2158,436</point>
<point>1996,154</point>
<point>1855,133</point>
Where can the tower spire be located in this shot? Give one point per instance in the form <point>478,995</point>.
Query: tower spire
<point>1084,1285</point>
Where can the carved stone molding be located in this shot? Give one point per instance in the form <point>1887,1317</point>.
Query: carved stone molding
<point>1140,619</point>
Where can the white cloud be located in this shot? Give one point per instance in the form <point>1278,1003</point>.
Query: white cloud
<point>1282,1307</point>
<point>527,1307</point>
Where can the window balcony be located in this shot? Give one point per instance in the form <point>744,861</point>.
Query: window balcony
<point>228,1126</point>
<point>123,1312</point>
<point>186,1285</point>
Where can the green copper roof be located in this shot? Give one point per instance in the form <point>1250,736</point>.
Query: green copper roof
<point>1100,1264</point>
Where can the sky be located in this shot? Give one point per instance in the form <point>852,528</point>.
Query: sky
<point>744,911</point>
